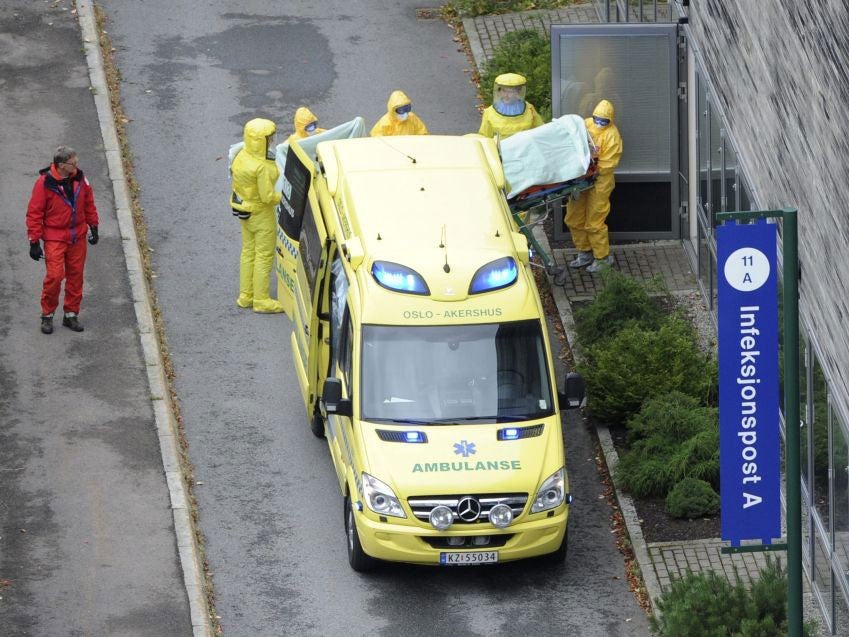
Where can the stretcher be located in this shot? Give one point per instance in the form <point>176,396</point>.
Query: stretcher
<point>543,167</point>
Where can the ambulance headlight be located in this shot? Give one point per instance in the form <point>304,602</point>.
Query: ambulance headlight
<point>551,494</point>
<point>501,515</point>
<point>441,517</point>
<point>380,498</point>
<point>494,276</point>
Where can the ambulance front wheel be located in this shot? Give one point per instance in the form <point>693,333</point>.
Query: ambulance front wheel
<point>357,557</point>
<point>559,556</point>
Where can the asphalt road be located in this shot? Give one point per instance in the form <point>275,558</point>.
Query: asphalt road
<point>270,510</point>
<point>87,544</point>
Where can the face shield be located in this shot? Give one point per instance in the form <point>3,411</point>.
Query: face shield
<point>270,146</point>
<point>509,100</point>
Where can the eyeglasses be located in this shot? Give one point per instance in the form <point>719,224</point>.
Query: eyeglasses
<point>73,164</point>
<point>311,127</point>
<point>406,108</point>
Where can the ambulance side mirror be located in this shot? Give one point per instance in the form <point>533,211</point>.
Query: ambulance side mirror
<point>331,396</point>
<point>574,392</point>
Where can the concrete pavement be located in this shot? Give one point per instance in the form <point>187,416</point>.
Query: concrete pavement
<point>91,535</point>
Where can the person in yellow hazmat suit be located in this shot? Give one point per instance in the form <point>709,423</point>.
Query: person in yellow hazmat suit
<point>254,173</point>
<point>586,216</point>
<point>509,112</point>
<point>306,124</point>
<point>399,118</point>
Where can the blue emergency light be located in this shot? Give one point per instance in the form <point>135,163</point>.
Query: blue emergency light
<point>399,278</point>
<point>494,276</point>
<point>414,436</point>
<point>510,433</point>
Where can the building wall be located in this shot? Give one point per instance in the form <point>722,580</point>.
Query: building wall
<point>784,88</point>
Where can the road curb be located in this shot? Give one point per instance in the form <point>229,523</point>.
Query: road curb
<point>632,521</point>
<point>166,426</point>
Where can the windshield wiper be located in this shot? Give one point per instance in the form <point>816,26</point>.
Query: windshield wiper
<point>497,419</point>
<point>401,421</point>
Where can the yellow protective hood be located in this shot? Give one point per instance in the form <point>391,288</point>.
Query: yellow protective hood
<point>605,109</point>
<point>398,98</point>
<point>257,132</point>
<point>303,118</point>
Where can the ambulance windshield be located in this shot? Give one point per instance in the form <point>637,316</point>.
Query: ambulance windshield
<point>455,373</point>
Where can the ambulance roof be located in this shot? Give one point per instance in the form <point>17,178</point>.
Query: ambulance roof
<point>418,189</point>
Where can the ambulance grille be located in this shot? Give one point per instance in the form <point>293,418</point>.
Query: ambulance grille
<point>477,542</point>
<point>522,432</point>
<point>399,436</point>
<point>423,505</point>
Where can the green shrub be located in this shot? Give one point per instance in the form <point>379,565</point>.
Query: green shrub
<point>698,457</point>
<point>474,8</point>
<point>622,301</point>
<point>699,605</point>
<point>636,364</point>
<point>527,52</point>
<point>707,605</point>
<point>672,438</point>
<point>644,477</point>
<point>692,498</point>
<point>674,416</point>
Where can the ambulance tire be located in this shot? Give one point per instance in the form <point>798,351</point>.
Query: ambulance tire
<point>559,556</point>
<point>317,424</point>
<point>357,557</point>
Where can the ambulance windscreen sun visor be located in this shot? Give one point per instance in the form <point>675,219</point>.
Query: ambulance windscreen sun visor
<point>494,276</point>
<point>399,278</point>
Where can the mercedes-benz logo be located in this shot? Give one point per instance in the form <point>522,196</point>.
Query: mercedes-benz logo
<point>468,509</point>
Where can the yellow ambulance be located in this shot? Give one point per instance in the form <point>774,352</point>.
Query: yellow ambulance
<point>421,349</point>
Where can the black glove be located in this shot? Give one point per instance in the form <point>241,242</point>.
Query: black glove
<point>92,235</point>
<point>35,252</point>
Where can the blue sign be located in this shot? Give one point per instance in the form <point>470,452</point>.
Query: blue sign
<point>749,448</point>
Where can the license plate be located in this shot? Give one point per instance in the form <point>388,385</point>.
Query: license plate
<point>461,558</point>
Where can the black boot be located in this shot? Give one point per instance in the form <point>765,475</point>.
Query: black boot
<point>71,321</point>
<point>47,324</point>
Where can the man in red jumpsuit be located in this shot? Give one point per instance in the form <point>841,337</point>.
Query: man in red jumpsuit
<point>60,212</point>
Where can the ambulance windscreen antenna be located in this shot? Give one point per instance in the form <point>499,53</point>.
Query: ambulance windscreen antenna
<point>410,157</point>
<point>446,267</point>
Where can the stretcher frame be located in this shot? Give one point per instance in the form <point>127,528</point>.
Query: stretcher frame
<point>533,206</point>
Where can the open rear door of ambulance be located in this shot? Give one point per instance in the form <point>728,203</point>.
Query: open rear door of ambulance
<point>300,240</point>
